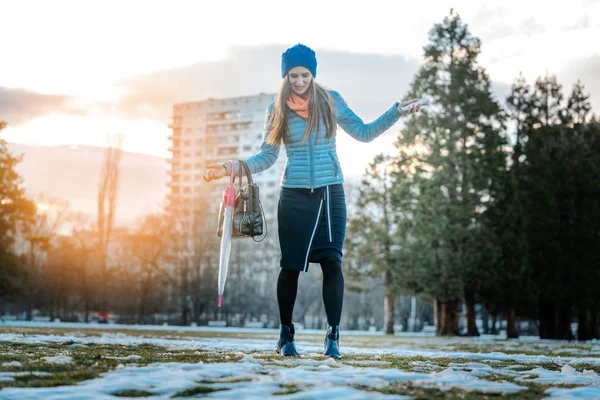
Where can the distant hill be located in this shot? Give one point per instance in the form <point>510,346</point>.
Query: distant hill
<point>73,173</point>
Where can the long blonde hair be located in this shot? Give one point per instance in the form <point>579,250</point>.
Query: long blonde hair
<point>320,107</point>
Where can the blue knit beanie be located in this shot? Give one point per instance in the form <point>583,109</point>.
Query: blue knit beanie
<point>299,56</point>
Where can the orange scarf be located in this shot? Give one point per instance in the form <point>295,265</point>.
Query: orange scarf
<point>298,104</point>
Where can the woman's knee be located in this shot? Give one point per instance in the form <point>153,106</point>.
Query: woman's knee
<point>331,265</point>
<point>289,274</point>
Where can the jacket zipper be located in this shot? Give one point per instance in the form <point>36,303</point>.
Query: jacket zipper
<point>313,236</point>
<point>329,216</point>
<point>310,163</point>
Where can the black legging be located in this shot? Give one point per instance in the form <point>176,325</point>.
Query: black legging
<point>333,291</point>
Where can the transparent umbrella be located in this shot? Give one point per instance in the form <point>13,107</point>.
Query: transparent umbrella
<point>227,209</point>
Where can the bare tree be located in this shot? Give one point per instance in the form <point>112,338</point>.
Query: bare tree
<point>51,215</point>
<point>107,202</point>
<point>146,247</point>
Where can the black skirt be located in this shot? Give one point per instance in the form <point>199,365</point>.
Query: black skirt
<point>312,225</point>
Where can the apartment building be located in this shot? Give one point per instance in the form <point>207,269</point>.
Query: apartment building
<point>212,132</point>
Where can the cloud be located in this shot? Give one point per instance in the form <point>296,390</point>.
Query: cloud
<point>368,81</point>
<point>18,106</point>
<point>530,27</point>
<point>582,23</point>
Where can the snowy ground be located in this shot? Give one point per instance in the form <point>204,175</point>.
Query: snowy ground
<point>78,361</point>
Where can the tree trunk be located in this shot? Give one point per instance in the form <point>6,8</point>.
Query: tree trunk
<point>583,326</point>
<point>450,318</point>
<point>185,315</point>
<point>437,316</point>
<point>565,317</point>
<point>595,325</point>
<point>485,322</point>
<point>547,315</point>
<point>512,331</point>
<point>388,303</point>
<point>470,314</point>
<point>494,327</point>
<point>86,309</point>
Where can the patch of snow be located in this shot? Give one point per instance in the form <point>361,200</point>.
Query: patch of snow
<point>314,378</point>
<point>58,359</point>
<point>129,357</point>
<point>591,393</point>
<point>450,378</point>
<point>567,376</point>
<point>14,364</point>
<point>248,345</point>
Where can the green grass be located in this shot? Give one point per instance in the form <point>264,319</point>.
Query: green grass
<point>92,359</point>
<point>533,391</point>
<point>133,393</point>
<point>287,389</point>
<point>197,390</point>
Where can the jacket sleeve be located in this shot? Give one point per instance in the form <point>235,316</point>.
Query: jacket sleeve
<point>354,125</point>
<point>268,153</point>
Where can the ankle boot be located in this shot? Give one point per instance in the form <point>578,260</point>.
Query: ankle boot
<point>285,344</point>
<point>332,338</point>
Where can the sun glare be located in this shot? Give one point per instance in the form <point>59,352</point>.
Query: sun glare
<point>140,135</point>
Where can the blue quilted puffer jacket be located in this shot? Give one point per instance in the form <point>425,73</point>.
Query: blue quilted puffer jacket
<point>312,165</point>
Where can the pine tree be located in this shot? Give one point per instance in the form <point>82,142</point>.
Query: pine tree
<point>371,234</point>
<point>506,217</point>
<point>561,188</point>
<point>449,155</point>
<point>547,101</point>
<point>578,106</point>
<point>14,208</point>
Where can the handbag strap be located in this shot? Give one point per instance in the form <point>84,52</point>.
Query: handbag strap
<point>247,170</point>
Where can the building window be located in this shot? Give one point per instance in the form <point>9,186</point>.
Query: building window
<point>187,166</point>
<point>247,148</point>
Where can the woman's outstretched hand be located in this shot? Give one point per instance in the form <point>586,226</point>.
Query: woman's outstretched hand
<point>415,108</point>
<point>214,171</point>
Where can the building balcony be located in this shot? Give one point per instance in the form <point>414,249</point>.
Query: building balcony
<point>236,120</point>
<point>174,122</point>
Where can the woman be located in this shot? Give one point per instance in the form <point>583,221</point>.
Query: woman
<point>312,208</point>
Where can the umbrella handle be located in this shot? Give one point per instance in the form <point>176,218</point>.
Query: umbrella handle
<point>229,193</point>
<point>232,174</point>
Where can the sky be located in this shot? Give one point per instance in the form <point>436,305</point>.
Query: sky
<point>73,72</point>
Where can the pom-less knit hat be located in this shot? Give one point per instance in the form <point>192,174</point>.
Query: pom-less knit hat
<point>299,56</point>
